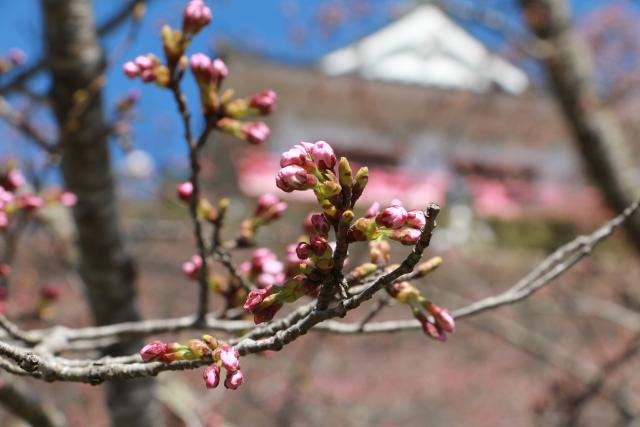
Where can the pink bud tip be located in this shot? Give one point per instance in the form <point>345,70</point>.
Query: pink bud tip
<point>392,217</point>
<point>256,132</point>
<point>185,191</point>
<point>130,69</point>
<point>211,376</point>
<point>265,101</point>
<point>229,357</point>
<point>154,350</point>
<point>234,379</point>
<point>68,199</point>
<point>196,16</point>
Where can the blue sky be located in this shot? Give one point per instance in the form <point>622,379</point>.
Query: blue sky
<point>284,30</point>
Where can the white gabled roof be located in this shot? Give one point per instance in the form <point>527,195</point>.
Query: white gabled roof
<point>426,47</point>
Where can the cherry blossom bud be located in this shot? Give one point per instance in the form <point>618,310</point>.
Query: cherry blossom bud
<point>320,225</point>
<point>292,178</point>
<point>51,291</point>
<point>154,350</point>
<point>406,236</point>
<point>185,191</point>
<point>192,267</point>
<point>319,246</point>
<point>220,70</point>
<point>392,217</point>
<point>13,180</point>
<point>148,76</point>
<point>131,70</point>
<point>297,156</point>
<point>144,62</point>
<point>373,210</point>
<point>5,270</point>
<point>265,101</point>
<point>363,229</point>
<point>361,180</point>
<point>196,16</point>
<point>269,208</point>
<point>211,376</point>
<point>323,155</point>
<point>229,357</point>
<point>303,250</point>
<point>30,202</point>
<point>201,67</point>
<point>443,318</point>
<point>255,132</point>
<point>68,199</point>
<point>234,379</point>
<point>416,219</point>
<point>17,56</point>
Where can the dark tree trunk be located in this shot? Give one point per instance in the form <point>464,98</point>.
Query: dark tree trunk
<point>76,61</point>
<point>600,138</point>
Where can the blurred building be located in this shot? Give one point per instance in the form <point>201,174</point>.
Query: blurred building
<point>434,113</point>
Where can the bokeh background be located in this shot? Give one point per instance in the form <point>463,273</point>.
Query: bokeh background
<point>443,103</point>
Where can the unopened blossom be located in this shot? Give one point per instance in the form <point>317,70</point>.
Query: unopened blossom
<point>373,210</point>
<point>220,70</point>
<point>298,156</point>
<point>192,267</point>
<point>30,202</point>
<point>442,316</point>
<point>406,236</point>
<point>392,217</point>
<point>13,180</point>
<point>269,208</point>
<point>416,219</point>
<point>303,250</point>
<point>196,16</point>
<point>262,304</point>
<point>144,62</point>
<point>234,379</point>
<point>201,67</point>
<point>229,357</point>
<point>130,69</point>
<point>264,268</point>
<point>255,132</point>
<point>319,225</point>
<point>291,178</point>
<point>185,190</point>
<point>323,155</point>
<point>154,350</point>
<point>265,101</point>
<point>68,199</point>
<point>211,376</point>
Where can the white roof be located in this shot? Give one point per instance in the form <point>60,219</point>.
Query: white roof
<point>426,47</point>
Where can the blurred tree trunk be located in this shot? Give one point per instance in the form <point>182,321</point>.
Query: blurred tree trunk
<point>600,138</point>
<point>76,62</point>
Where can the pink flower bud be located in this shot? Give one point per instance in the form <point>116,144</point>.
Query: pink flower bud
<point>219,69</point>
<point>406,236</point>
<point>319,245</point>
<point>17,56</point>
<point>431,329</point>
<point>211,376</point>
<point>30,202</point>
<point>185,191</point>
<point>192,267</point>
<point>5,270</point>
<point>303,250</point>
<point>234,379</point>
<point>68,199</point>
<point>323,155</point>
<point>392,217</point>
<point>229,357</point>
<point>416,219</point>
<point>255,297</point>
<point>148,76</point>
<point>51,291</point>
<point>154,350</point>
<point>143,62</point>
<point>442,316</point>
<point>196,16</point>
<point>265,101</point>
<point>292,178</point>
<point>201,67</point>
<point>320,225</point>
<point>13,180</point>
<point>297,156</point>
<point>373,211</point>
<point>265,202</point>
<point>130,69</point>
<point>255,132</point>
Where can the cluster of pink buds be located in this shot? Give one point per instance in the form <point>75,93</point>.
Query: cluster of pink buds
<point>207,348</point>
<point>15,58</point>
<point>196,16</point>
<point>436,321</point>
<point>394,222</point>
<point>13,197</point>
<point>148,68</point>
<point>192,267</point>
<point>268,209</point>
<point>264,269</point>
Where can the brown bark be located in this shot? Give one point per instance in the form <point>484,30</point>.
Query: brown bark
<point>76,61</point>
<point>600,138</point>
